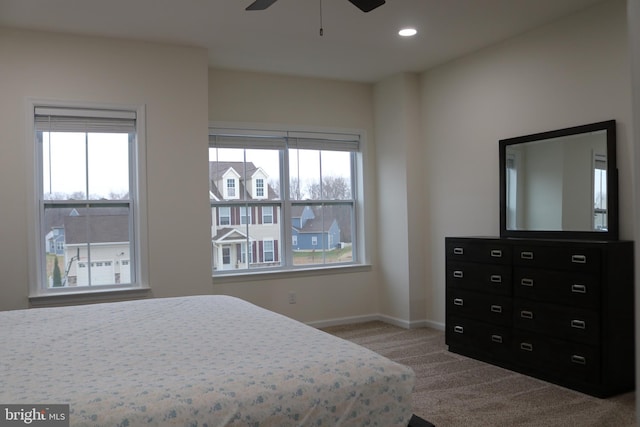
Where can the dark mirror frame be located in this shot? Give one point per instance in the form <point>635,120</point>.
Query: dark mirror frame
<point>612,185</point>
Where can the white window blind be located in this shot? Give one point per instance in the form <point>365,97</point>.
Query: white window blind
<point>58,119</point>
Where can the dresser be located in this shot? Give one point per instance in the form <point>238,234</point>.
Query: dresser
<point>558,310</point>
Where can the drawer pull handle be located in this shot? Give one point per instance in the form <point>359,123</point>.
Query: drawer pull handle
<point>526,282</point>
<point>458,274</point>
<point>580,360</point>
<point>496,309</point>
<point>496,338</point>
<point>526,314</point>
<point>578,288</point>
<point>458,251</point>
<point>496,253</point>
<point>526,346</point>
<point>579,259</point>
<point>458,329</point>
<point>578,324</point>
<point>526,255</point>
<point>458,301</point>
<point>496,278</point>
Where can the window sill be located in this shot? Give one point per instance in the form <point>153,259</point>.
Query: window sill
<point>288,274</point>
<point>87,297</point>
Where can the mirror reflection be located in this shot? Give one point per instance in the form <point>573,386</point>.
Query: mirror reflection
<point>557,184</point>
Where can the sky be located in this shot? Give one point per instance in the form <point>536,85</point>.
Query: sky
<point>75,162</point>
<point>66,156</point>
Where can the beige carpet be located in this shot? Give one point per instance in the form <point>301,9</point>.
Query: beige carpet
<point>453,390</point>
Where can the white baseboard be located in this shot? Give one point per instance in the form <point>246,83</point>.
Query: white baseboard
<point>401,323</point>
<point>343,321</point>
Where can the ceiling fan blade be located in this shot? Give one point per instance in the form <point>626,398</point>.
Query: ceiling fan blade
<point>260,4</point>
<point>367,5</point>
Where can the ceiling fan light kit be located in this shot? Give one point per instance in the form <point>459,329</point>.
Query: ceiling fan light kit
<point>363,5</point>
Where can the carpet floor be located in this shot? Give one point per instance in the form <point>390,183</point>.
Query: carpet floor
<point>453,390</point>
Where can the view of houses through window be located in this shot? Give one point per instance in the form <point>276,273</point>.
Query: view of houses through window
<point>274,206</point>
<point>85,213</point>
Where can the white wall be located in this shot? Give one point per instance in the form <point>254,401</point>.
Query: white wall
<point>316,103</point>
<point>172,82</point>
<point>571,72</point>
<point>401,209</point>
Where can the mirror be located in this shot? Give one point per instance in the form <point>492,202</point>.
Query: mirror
<point>560,184</point>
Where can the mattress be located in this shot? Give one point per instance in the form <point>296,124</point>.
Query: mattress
<point>195,361</point>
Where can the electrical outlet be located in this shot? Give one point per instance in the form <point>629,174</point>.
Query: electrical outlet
<point>292,297</point>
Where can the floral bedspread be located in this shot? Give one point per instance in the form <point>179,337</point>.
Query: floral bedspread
<point>195,361</point>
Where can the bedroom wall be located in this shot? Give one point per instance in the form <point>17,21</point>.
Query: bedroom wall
<point>401,210</point>
<point>248,97</point>
<point>172,82</point>
<point>570,72</point>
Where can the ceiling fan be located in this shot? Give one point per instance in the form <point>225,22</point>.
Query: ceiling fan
<point>363,5</point>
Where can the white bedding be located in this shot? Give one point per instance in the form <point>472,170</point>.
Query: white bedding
<point>195,361</point>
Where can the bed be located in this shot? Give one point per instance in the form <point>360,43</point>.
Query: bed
<point>195,361</point>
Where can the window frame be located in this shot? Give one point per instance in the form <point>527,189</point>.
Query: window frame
<point>359,260</point>
<point>39,293</point>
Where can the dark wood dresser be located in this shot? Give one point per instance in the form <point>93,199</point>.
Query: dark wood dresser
<point>558,310</point>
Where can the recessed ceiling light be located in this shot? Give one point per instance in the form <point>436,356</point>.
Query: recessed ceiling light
<point>407,32</point>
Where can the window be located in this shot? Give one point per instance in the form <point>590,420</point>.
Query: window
<point>512,185</point>
<point>245,215</point>
<point>296,201</point>
<point>225,215</point>
<point>259,188</point>
<point>87,191</point>
<point>267,251</point>
<point>600,192</point>
<point>267,214</point>
<point>231,188</point>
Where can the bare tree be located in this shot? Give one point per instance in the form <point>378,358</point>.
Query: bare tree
<point>333,188</point>
<point>295,191</point>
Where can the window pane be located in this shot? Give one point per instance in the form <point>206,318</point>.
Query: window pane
<point>108,165</point>
<point>243,240</point>
<point>320,174</point>
<point>244,174</point>
<point>64,170</point>
<point>336,175</point>
<point>304,174</point>
<point>322,234</point>
<point>87,246</point>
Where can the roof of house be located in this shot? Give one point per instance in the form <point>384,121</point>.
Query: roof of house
<point>96,229</point>
<point>218,169</point>
<point>55,217</point>
<point>229,234</point>
<point>317,225</point>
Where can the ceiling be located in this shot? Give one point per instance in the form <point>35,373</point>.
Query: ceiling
<point>285,38</point>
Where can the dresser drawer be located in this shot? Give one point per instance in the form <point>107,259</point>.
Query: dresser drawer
<point>493,278</point>
<point>569,323</point>
<point>560,287</point>
<point>575,361</point>
<point>491,340</point>
<point>478,250</point>
<point>489,308</point>
<point>571,258</point>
